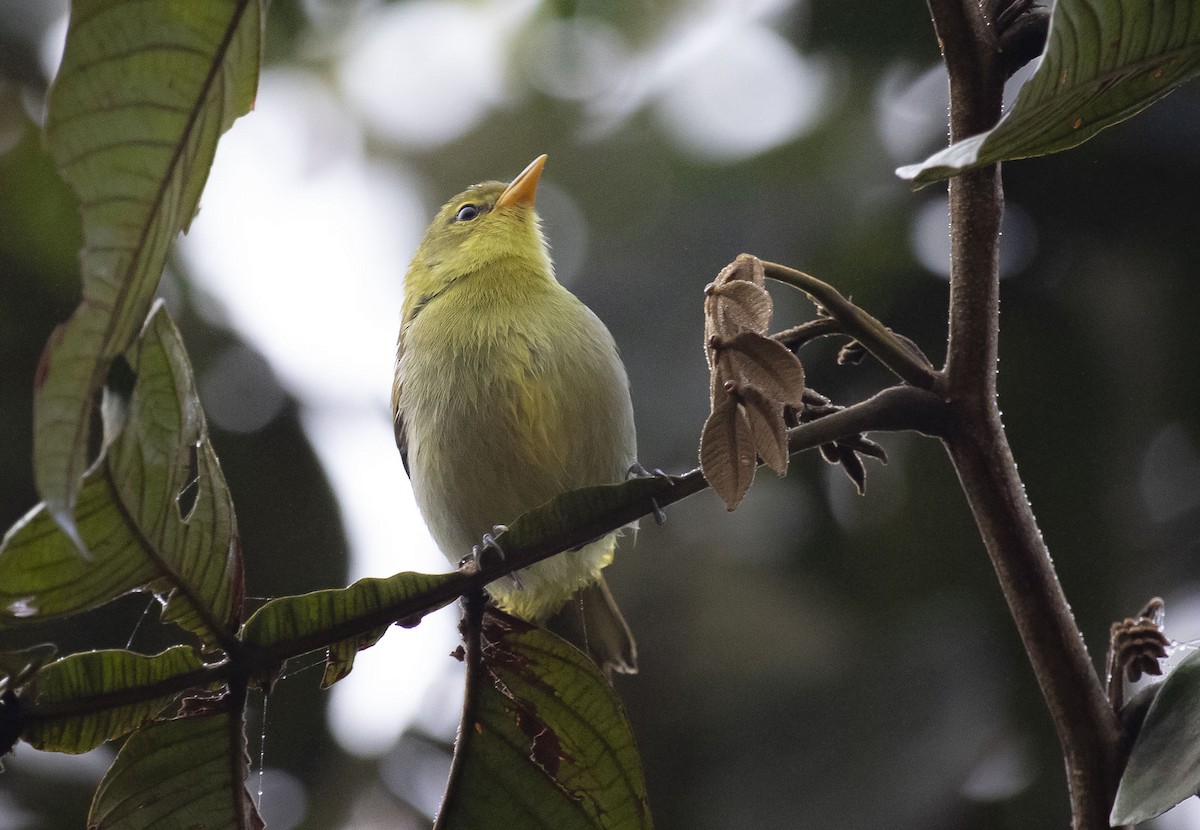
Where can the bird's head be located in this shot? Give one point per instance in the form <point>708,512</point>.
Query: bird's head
<point>487,227</point>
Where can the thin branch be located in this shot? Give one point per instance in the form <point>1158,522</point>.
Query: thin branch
<point>803,334</point>
<point>894,409</point>
<point>874,335</point>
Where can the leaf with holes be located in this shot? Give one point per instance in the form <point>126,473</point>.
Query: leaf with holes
<point>186,772</point>
<point>727,455</point>
<point>544,741</point>
<point>64,700</point>
<point>143,93</point>
<point>1105,61</point>
<point>154,510</point>
<point>1164,763</point>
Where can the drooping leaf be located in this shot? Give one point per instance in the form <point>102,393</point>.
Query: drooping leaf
<point>144,91</point>
<point>767,428</point>
<point>318,617</point>
<point>867,447</point>
<point>769,365</point>
<point>544,742</point>
<point>76,701</point>
<point>340,658</point>
<point>1164,764</point>
<point>130,512</point>
<point>42,576</point>
<point>183,773</point>
<point>853,467</point>
<point>1105,60</point>
<point>727,455</point>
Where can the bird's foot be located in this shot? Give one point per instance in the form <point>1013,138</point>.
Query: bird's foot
<point>488,542</point>
<point>636,470</point>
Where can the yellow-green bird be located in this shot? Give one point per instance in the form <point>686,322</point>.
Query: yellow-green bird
<point>508,392</point>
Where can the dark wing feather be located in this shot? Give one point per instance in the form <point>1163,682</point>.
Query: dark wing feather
<point>397,418</point>
<point>402,442</point>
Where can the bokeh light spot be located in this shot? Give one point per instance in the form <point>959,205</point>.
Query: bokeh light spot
<point>239,391</point>
<point>574,59</point>
<point>424,73</point>
<point>740,91</point>
<point>1170,480</point>
<point>284,802</point>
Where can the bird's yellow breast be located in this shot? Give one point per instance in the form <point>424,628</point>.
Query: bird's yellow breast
<point>509,397</point>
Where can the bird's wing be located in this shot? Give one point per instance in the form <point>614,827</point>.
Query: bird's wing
<point>397,418</point>
<point>402,443</point>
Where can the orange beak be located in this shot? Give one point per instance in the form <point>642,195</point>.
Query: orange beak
<point>523,189</point>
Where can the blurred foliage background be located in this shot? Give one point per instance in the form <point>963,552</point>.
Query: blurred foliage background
<point>815,659</point>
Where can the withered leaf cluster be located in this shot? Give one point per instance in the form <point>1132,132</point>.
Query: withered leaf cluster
<point>846,452</point>
<point>754,381</point>
<point>1136,644</point>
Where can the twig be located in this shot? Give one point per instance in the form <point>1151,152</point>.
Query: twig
<point>894,409</point>
<point>874,335</point>
<point>805,333</point>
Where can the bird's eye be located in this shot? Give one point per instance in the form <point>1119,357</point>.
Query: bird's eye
<point>466,213</point>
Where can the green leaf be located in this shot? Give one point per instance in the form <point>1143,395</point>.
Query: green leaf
<point>580,509</point>
<point>181,773</point>
<point>1105,61</point>
<point>1164,764</point>
<point>75,704</point>
<point>323,616</point>
<point>354,618</point>
<point>145,89</point>
<point>544,741</point>
<point>129,513</point>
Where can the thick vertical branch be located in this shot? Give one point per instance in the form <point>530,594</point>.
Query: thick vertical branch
<point>1086,725</point>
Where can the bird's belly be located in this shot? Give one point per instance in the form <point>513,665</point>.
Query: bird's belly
<point>488,452</point>
<point>469,474</point>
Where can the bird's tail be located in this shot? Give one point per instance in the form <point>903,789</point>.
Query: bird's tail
<point>592,621</point>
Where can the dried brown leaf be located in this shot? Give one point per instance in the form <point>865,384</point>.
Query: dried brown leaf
<point>853,467</point>
<point>865,446</point>
<point>739,305</point>
<point>771,366</point>
<point>851,354</point>
<point>727,456</point>
<point>711,338</point>
<point>830,453</point>
<point>745,267</point>
<point>766,425</point>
